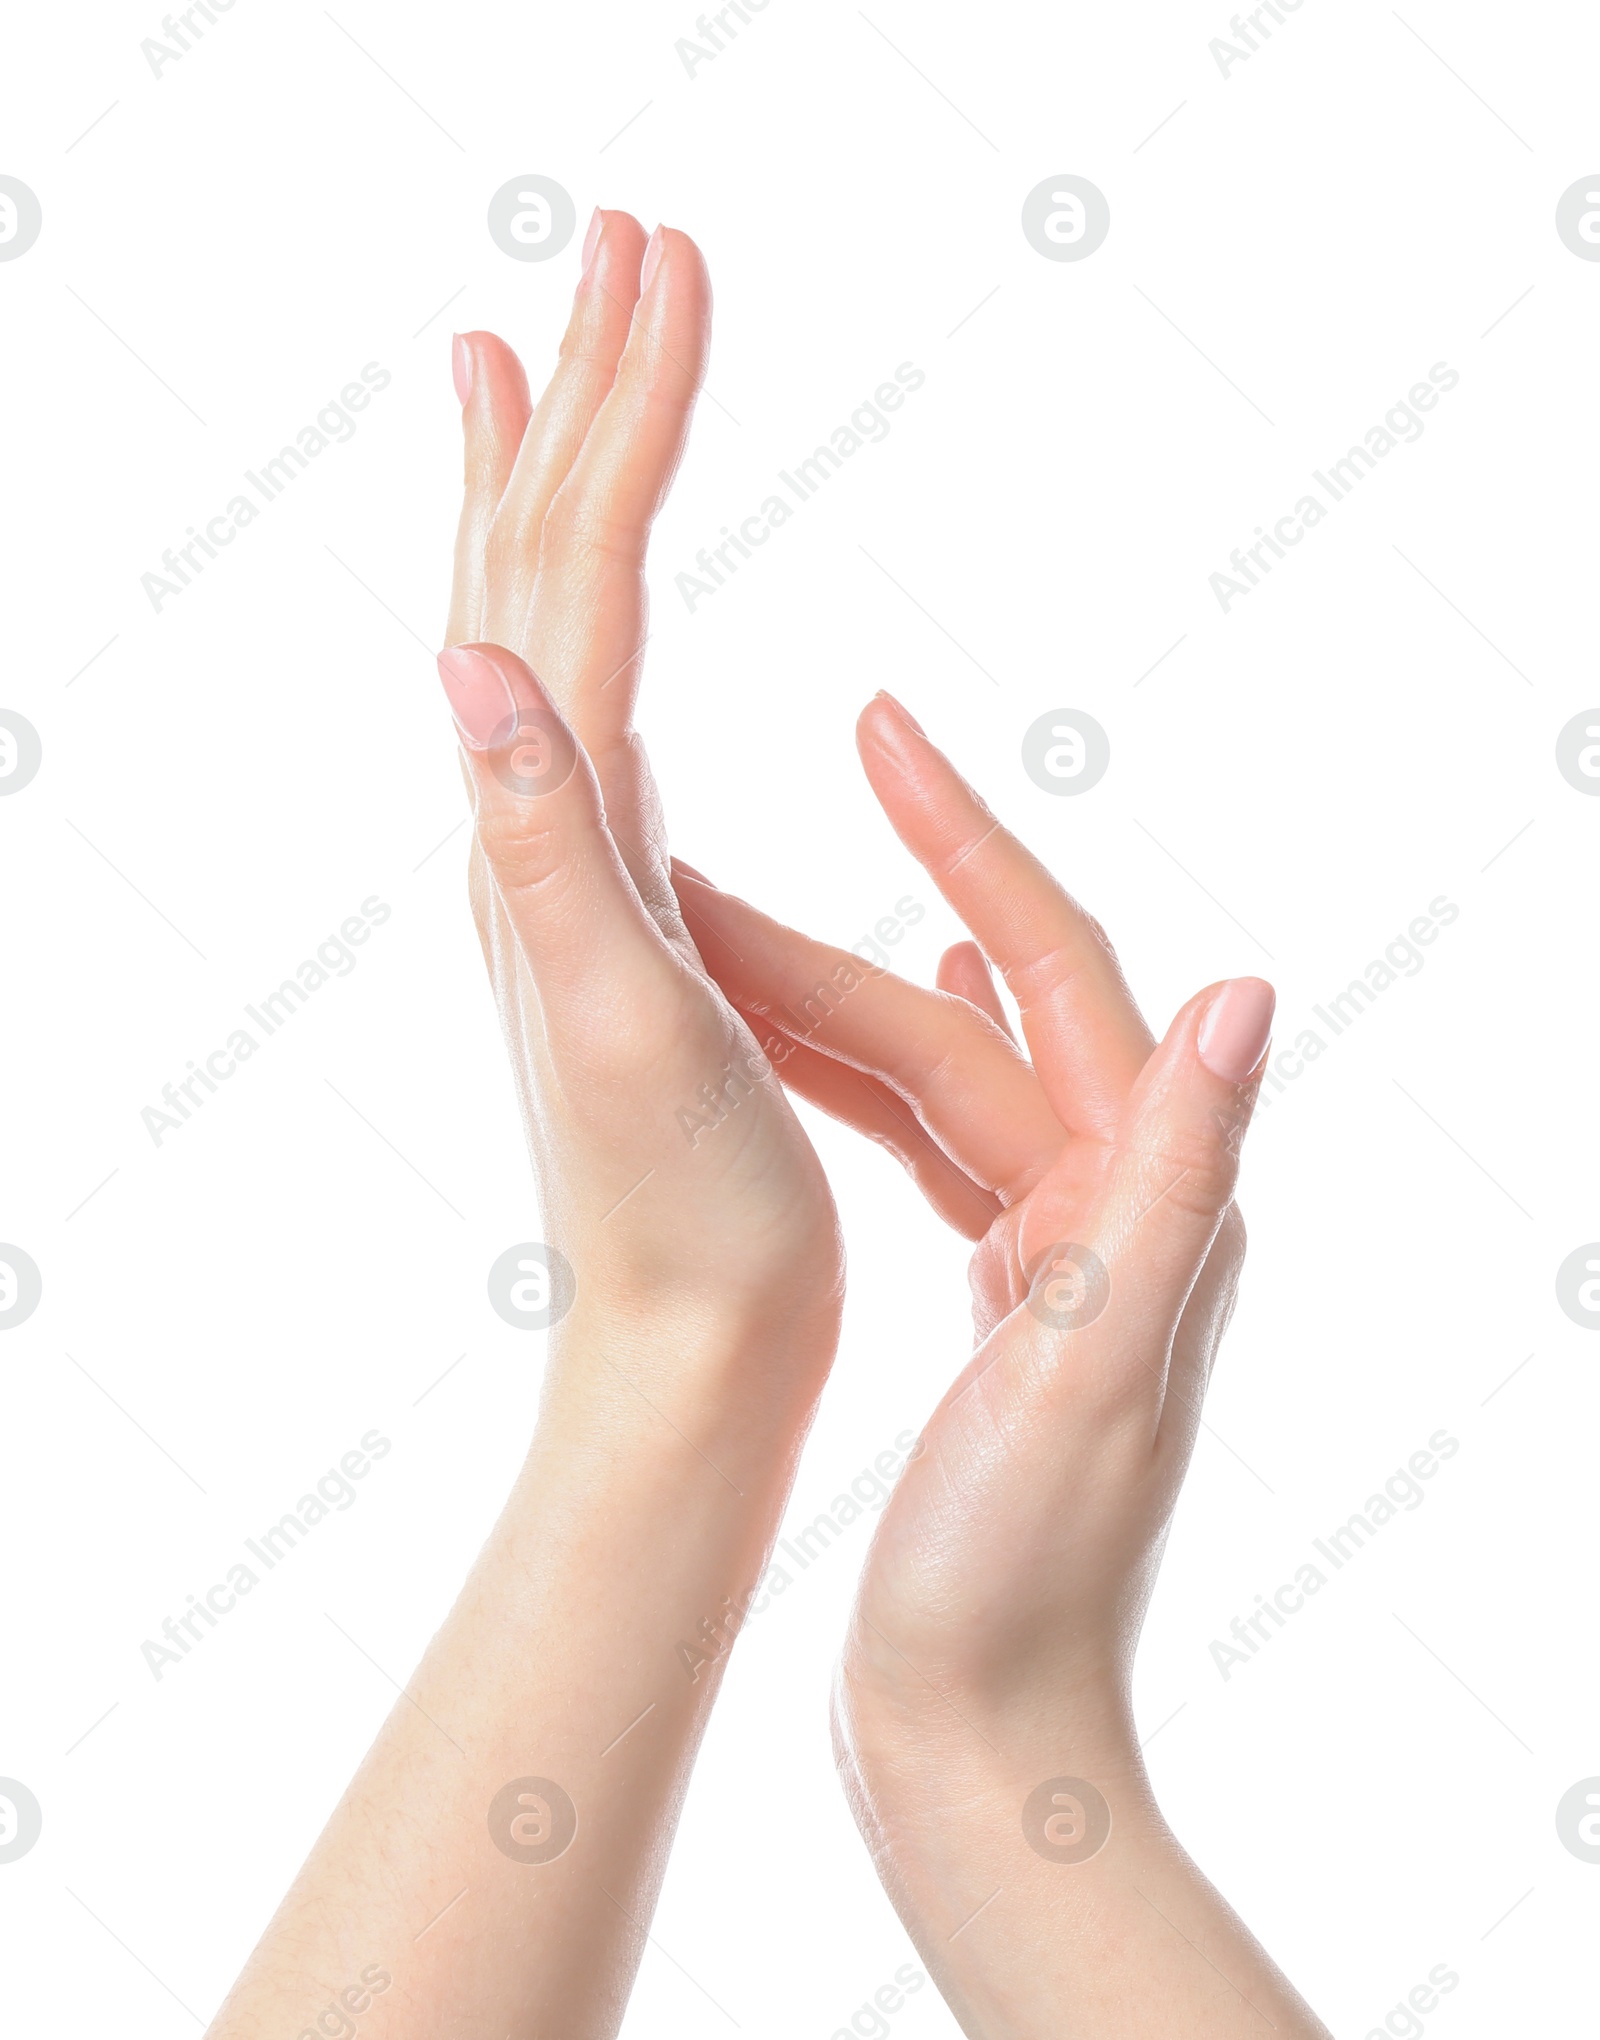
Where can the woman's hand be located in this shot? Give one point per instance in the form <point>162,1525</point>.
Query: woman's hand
<point>983,1714</point>
<point>673,1174</point>
<point>497,1857</point>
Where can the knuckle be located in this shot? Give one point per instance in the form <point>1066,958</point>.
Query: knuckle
<point>585,359</point>
<point>1189,1168</point>
<point>1042,980</point>
<point>524,852</point>
<point>575,530</point>
<point>507,541</point>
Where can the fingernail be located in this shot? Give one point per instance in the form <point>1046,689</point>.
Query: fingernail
<point>591,241</point>
<point>1234,1032</point>
<point>652,255</point>
<point>479,695</point>
<point>902,711</point>
<point>699,877</point>
<point>461,368</point>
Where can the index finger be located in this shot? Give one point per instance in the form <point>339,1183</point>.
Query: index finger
<point>587,622</point>
<point>1086,1036</point>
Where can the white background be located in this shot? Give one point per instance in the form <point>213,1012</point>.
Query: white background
<point>1293,783</point>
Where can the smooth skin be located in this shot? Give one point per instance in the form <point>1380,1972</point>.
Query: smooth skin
<point>992,1640</point>
<point>709,1278</point>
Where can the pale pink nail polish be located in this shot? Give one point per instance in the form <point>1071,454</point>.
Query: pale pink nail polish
<point>901,711</point>
<point>461,369</point>
<point>591,241</point>
<point>652,256</point>
<point>479,695</point>
<point>1234,1033</point>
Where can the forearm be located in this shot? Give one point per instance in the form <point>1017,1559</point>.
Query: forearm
<point>646,1506</point>
<point>1046,1912</point>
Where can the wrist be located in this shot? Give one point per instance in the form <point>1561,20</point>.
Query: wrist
<point>656,1479</point>
<point>732,1380</point>
<point>906,1701</point>
<point>680,1273</point>
<point>958,1761</point>
<point>947,1780</point>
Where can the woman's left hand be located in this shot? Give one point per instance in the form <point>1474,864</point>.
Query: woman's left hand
<point>673,1172</point>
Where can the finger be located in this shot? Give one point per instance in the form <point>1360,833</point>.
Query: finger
<point>1085,1034</point>
<point>593,344</point>
<point>961,1075</point>
<point>1170,1178</point>
<point>588,620</point>
<point>494,415</point>
<point>964,972</point>
<point>557,874</point>
<point>871,1108</point>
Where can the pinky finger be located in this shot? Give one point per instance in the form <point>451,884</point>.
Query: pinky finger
<point>964,970</point>
<point>495,409</point>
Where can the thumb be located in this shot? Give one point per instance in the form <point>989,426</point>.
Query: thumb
<point>570,903</point>
<point>1176,1161</point>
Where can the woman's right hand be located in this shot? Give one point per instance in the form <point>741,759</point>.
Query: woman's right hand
<point>991,1648</point>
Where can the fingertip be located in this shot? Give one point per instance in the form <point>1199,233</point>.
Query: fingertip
<point>674,273</point>
<point>902,714</point>
<point>591,241</point>
<point>489,378</point>
<point>964,971</point>
<point>479,693</point>
<point>615,219</point>
<point>1236,1027</point>
<point>612,252</point>
<point>651,262</point>
<point>886,709</point>
<point>491,691</point>
<point>902,762</point>
<point>683,250</point>
<point>886,728</point>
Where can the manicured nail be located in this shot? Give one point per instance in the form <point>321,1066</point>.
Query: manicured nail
<point>902,711</point>
<point>652,255</point>
<point>461,368</point>
<point>1234,1032</point>
<point>591,241</point>
<point>699,877</point>
<point>479,695</point>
